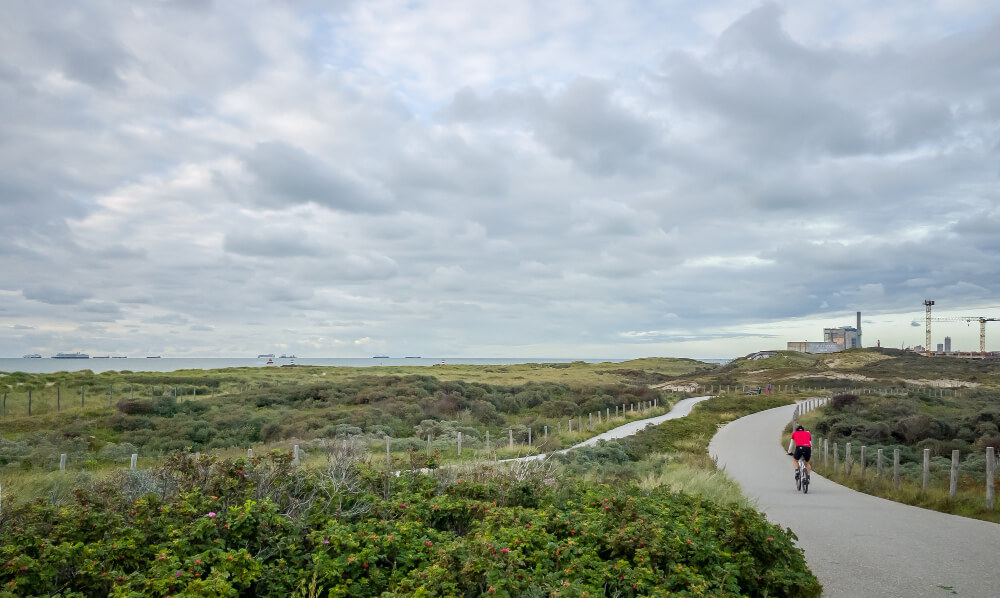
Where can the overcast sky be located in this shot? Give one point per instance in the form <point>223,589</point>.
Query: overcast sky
<point>527,178</point>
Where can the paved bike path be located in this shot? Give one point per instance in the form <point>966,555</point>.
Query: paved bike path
<point>859,545</point>
<point>681,409</point>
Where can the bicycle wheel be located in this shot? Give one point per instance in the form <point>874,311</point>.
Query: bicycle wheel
<point>798,479</point>
<point>805,483</point>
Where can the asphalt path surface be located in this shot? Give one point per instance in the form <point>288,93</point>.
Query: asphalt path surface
<point>859,545</point>
<point>681,409</point>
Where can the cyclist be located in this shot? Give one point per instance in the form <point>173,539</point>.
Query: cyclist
<point>802,442</point>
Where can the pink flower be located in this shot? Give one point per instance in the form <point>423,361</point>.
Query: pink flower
<point>505,550</point>
<point>211,515</point>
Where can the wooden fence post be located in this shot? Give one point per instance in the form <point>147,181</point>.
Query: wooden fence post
<point>836,457</point>
<point>847,459</point>
<point>927,467</point>
<point>428,444</point>
<point>388,458</point>
<point>953,486</point>
<point>510,436</point>
<point>546,437</point>
<point>459,444</point>
<point>487,440</point>
<point>580,422</point>
<point>864,462</point>
<point>295,455</point>
<point>135,457</point>
<point>826,452</point>
<point>529,435</point>
<point>878,467</point>
<point>249,453</point>
<point>62,462</point>
<point>895,468</point>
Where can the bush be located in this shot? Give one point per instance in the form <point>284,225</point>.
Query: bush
<point>842,401</point>
<point>260,527</point>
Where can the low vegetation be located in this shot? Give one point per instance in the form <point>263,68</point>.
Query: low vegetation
<point>590,523</point>
<point>263,527</point>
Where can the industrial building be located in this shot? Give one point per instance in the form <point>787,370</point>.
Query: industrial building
<point>815,347</point>
<point>834,340</point>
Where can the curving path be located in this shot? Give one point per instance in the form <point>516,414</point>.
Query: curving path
<point>681,409</point>
<point>859,545</point>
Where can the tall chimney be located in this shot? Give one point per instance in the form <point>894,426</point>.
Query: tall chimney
<point>860,344</point>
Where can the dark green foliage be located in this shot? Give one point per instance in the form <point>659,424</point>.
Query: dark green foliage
<point>263,528</point>
<point>966,421</point>
<point>843,401</point>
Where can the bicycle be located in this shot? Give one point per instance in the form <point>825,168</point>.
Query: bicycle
<point>801,476</point>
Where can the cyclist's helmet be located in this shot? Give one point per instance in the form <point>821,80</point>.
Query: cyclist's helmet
<point>799,428</point>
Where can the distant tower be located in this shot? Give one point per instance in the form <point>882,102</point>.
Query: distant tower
<point>860,344</point>
<point>927,346</point>
<point>947,344</point>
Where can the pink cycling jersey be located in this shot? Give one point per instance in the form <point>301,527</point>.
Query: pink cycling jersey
<point>802,438</point>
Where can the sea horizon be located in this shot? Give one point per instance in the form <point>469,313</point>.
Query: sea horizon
<point>48,365</point>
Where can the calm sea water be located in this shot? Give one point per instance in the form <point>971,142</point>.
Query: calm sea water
<point>47,365</point>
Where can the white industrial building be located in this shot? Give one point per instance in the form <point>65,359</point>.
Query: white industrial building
<point>834,340</point>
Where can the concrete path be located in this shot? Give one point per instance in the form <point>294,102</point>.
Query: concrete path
<point>680,409</point>
<point>859,545</point>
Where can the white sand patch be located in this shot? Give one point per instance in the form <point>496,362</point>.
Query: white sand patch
<point>840,376</point>
<point>943,383</point>
<point>677,387</point>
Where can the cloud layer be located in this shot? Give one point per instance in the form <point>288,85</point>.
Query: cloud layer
<point>454,178</point>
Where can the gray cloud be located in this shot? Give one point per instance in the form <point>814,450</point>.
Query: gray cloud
<point>269,244</point>
<point>55,295</point>
<point>601,182</point>
<point>289,175</point>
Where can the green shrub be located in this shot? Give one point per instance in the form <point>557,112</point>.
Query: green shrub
<point>260,527</point>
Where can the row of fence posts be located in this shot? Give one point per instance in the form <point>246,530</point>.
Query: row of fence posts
<point>824,443</point>
<point>711,389</point>
<point>888,391</point>
<point>174,390</point>
<point>641,407</point>
<point>83,397</point>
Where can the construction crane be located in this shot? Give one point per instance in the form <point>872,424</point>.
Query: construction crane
<point>982,326</point>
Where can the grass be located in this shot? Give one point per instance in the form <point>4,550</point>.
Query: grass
<point>967,503</point>
<point>685,472</point>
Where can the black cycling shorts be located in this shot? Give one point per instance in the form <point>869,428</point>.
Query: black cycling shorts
<point>803,452</point>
